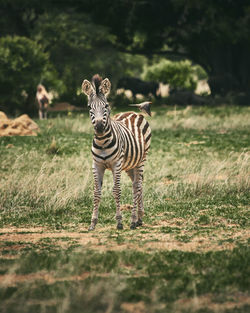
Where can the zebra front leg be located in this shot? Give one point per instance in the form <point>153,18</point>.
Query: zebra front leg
<point>117,193</point>
<point>98,173</point>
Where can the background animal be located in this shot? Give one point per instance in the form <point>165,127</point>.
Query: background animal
<point>42,98</point>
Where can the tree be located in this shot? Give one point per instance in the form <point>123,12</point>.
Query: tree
<point>75,46</point>
<point>214,34</point>
<point>22,65</point>
<point>78,49</point>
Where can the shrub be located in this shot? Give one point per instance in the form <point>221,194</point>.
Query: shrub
<point>179,75</point>
<point>22,66</point>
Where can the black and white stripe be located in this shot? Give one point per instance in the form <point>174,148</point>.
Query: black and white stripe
<point>119,144</point>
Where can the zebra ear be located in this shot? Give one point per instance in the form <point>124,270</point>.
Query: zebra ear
<point>87,87</point>
<point>105,86</point>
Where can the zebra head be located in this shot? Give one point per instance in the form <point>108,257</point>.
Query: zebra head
<point>99,109</point>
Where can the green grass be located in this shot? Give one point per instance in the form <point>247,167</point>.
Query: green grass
<point>192,254</point>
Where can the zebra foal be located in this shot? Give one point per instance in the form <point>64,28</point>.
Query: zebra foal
<point>120,143</point>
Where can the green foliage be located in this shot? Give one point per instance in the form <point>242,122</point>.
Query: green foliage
<point>177,74</point>
<point>78,49</point>
<point>214,34</point>
<point>22,65</point>
<point>84,37</point>
<point>200,72</point>
<point>75,49</point>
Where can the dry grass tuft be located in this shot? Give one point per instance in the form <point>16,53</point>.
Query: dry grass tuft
<point>53,185</point>
<point>203,175</point>
<point>187,120</point>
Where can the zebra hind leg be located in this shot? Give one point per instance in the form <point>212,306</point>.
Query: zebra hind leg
<point>131,174</point>
<point>140,169</point>
<point>136,176</point>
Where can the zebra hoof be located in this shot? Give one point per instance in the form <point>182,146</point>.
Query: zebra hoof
<point>133,225</point>
<point>139,223</point>
<point>93,223</point>
<point>119,226</point>
<point>91,227</point>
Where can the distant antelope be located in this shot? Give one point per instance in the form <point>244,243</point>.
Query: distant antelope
<point>43,101</point>
<point>119,144</point>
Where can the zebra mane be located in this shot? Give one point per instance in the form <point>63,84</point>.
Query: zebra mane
<point>96,82</point>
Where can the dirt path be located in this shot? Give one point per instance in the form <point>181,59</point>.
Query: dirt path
<point>148,238</point>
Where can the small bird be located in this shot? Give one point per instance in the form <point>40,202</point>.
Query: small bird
<point>144,107</point>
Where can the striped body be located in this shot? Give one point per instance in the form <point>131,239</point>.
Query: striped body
<point>119,144</point>
<point>128,139</point>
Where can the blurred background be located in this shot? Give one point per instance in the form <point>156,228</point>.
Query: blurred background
<point>173,51</point>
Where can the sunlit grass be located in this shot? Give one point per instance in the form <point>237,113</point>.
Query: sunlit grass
<point>201,175</point>
<point>202,118</point>
<point>193,246</point>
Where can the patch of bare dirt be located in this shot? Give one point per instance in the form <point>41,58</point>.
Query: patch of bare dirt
<point>183,223</point>
<point>13,229</point>
<point>198,244</point>
<point>14,279</point>
<point>206,301</point>
<point>148,240</point>
<point>34,235</point>
<point>138,307</point>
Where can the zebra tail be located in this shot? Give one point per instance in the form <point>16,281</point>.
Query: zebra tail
<point>144,107</point>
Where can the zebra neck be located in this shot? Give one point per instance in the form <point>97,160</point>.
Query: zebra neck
<point>106,140</point>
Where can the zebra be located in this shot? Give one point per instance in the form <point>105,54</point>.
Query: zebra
<point>120,143</point>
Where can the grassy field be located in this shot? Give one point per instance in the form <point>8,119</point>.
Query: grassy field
<point>192,253</point>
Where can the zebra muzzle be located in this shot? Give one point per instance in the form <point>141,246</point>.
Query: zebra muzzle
<point>99,127</point>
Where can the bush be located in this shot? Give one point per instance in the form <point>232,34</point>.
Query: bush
<point>179,75</point>
<point>22,66</point>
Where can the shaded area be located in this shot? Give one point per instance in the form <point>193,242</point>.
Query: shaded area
<point>68,280</point>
